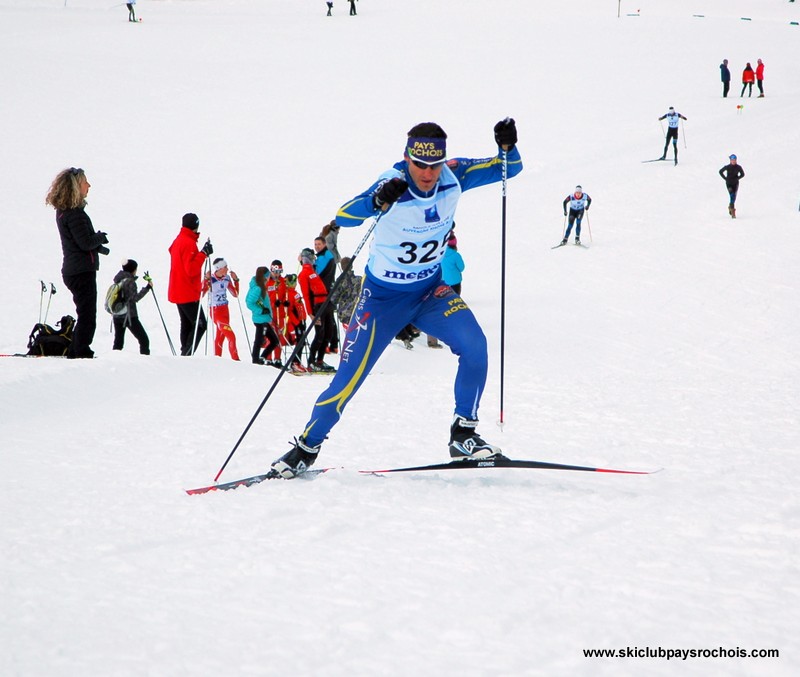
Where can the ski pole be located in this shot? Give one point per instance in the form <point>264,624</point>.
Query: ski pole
<point>41,299</point>
<point>589,226</point>
<point>149,279</point>
<point>52,292</point>
<point>683,126</point>
<point>298,348</point>
<point>503,292</point>
<point>244,326</point>
<point>199,309</point>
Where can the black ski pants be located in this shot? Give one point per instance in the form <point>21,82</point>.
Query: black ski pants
<point>84,294</point>
<point>188,315</point>
<point>324,330</point>
<point>264,331</point>
<point>121,322</point>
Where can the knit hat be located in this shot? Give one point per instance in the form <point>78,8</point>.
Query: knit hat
<point>129,266</point>
<point>307,256</point>
<point>219,264</point>
<point>190,221</point>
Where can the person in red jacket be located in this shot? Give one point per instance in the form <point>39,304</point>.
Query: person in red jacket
<point>276,288</point>
<point>314,295</point>
<point>760,78</point>
<point>185,281</point>
<point>748,78</point>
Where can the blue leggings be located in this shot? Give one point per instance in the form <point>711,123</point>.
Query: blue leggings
<point>379,315</point>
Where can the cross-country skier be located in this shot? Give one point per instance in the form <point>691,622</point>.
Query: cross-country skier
<point>219,283</point>
<point>673,121</point>
<point>578,204</point>
<point>130,319</point>
<point>732,172</point>
<point>416,201</point>
<point>131,10</point>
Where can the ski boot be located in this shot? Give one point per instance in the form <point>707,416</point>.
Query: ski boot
<point>466,443</point>
<point>578,241</point>
<point>296,461</point>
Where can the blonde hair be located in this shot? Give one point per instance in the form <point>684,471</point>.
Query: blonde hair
<point>65,191</point>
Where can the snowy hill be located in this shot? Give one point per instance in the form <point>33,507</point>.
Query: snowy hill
<point>670,343</point>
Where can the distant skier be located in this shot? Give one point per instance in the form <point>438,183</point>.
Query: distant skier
<point>131,10</point>
<point>673,121</point>
<point>732,172</point>
<point>725,75</point>
<point>748,78</point>
<point>578,204</point>
<point>330,7</point>
<point>760,78</point>
<point>353,8</point>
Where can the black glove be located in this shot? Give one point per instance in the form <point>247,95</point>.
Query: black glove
<point>505,132</point>
<point>103,237</point>
<point>207,249</point>
<point>390,192</point>
<point>286,304</point>
<point>565,212</point>
<point>105,251</point>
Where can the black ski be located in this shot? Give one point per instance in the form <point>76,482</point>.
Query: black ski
<point>255,479</point>
<point>658,159</point>
<point>505,463</point>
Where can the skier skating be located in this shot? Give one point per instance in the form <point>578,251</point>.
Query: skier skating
<point>732,172</point>
<point>673,119</point>
<point>578,204</point>
<point>417,200</point>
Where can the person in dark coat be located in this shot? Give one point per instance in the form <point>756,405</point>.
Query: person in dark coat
<point>81,246</point>
<point>732,172</point>
<point>725,75</point>
<point>130,318</point>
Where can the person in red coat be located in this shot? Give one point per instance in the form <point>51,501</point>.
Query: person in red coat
<point>760,78</point>
<point>314,295</point>
<point>748,78</point>
<point>185,281</point>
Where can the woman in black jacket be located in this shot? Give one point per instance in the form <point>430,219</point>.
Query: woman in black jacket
<point>81,246</point>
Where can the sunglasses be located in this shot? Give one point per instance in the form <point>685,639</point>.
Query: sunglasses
<point>276,269</point>
<point>424,165</point>
<point>75,171</point>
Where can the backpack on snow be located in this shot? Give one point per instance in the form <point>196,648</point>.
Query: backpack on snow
<point>50,342</point>
<point>115,301</point>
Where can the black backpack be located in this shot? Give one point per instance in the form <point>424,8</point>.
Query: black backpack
<point>48,341</point>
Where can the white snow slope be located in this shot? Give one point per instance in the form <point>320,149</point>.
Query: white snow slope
<point>671,343</point>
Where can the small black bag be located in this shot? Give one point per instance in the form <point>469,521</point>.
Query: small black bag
<point>48,341</point>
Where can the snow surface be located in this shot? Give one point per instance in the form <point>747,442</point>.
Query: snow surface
<point>671,343</point>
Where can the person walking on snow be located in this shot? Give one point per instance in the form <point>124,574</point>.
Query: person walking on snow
<point>748,78</point>
<point>330,7</point>
<point>126,278</point>
<point>673,122</point>
<point>185,281</point>
<point>353,8</point>
<point>219,283</point>
<point>732,172</point>
<point>257,302</point>
<point>416,200</point>
<point>131,11</point>
<point>579,203</point>
<point>760,78</point>
<point>725,75</point>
